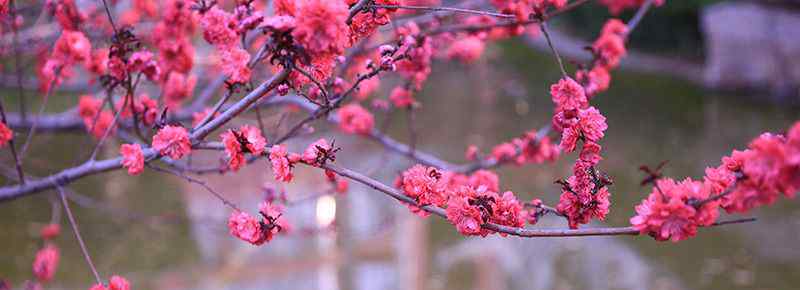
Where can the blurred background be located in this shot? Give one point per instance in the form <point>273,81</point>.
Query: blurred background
<point>702,78</point>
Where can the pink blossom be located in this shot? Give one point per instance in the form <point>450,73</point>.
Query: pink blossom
<point>425,185</point>
<point>401,97</point>
<point>504,151</point>
<point>281,166</point>
<point>255,141</point>
<point>471,153</point>
<point>316,152</point>
<point>567,94</point>
<point>365,24</point>
<point>72,47</point>
<point>5,134</point>
<point>50,231</point>
<point>172,141</point>
<point>142,61</point>
<point>485,178</point>
<point>100,124</point>
<point>178,88</point>
<point>98,286</point>
<point>118,283</point>
<point>467,218</point>
<point>610,48</point>
<point>233,149</point>
<point>580,204</point>
<point>219,27</point>
<point>467,49</point>
<point>272,214</point>
<point>507,211</point>
<point>590,127</point>
<point>132,158</point>
<point>669,212</point>
<point>354,119</point>
<point>321,27</point>
<point>285,7</point>
<point>234,62</point>
<point>246,228</point>
<point>46,262</point>
<point>538,151</point>
<point>198,117</point>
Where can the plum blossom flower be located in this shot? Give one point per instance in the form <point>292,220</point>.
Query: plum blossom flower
<point>118,283</point>
<point>424,184</point>
<point>590,127</point>
<point>50,231</point>
<point>5,134</point>
<point>567,94</point>
<point>467,49</point>
<point>401,97</point>
<point>178,88</point>
<point>172,141</point>
<point>321,27</point>
<point>281,166</point>
<point>235,64</point>
<point>246,228</point>
<point>132,158</point>
<point>72,47</point>
<point>504,151</point>
<point>485,178</point>
<point>354,119</point>
<point>467,218</point>
<point>315,152</point>
<point>46,262</point>
<point>219,27</point>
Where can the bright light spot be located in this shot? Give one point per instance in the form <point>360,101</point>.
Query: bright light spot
<point>326,210</point>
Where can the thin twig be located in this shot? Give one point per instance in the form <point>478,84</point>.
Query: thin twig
<point>443,8</point>
<point>32,132</point>
<point>75,230</point>
<point>198,182</point>
<point>543,27</point>
<point>637,18</point>
<point>17,161</point>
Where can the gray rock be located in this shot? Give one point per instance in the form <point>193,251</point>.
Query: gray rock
<point>753,46</point>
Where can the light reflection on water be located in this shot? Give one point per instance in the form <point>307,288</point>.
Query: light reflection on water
<point>650,119</point>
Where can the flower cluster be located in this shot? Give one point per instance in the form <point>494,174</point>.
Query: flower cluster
<point>254,231</point>
<point>220,28</point>
<point>470,201</point>
<point>247,139</point>
<point>746,179</point>
<point>608,49</point>
<point>584,194</point>
<point>71,48</point>
<point>529,148</point>
<point>670,212</point>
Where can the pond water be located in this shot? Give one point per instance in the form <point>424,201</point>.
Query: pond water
<point>154,230</point>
